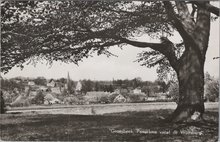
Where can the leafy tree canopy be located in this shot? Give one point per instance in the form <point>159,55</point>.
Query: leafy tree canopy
<point>69,31</point>
<point>72,30</point>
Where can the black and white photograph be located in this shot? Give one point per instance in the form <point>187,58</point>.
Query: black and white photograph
<point>77,70</point>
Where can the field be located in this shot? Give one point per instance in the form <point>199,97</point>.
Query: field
<point>120,126</point>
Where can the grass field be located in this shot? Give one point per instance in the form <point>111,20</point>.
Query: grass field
<point>126,126</point>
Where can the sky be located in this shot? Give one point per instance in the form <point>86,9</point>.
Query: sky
<point>121,67</point>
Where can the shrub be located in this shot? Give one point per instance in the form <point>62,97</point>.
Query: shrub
<point>136,98</point>
<point>38,99</point>
<point>174,91</point>
<point>104,99</point>
<point>3,110</point>
<point>211,90</point>
<point>112,97</point>
<point>71,100</point>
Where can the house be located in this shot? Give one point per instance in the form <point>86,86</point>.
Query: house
<point>137,91</point>
<point>120,99</point>
<point>50,99</point>
<point>78,86</point>
<point>51,83</point>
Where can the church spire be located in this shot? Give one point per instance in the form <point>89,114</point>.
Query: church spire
<point>68,83</point>
<point>68,78</point>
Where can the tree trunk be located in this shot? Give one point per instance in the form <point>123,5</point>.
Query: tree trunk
<point>191,88</point>
<point>190,66</point>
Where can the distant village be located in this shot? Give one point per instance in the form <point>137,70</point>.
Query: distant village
<point>21,91</point>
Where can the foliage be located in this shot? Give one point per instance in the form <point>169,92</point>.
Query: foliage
<point>71,87</point>
<point>2,104</point>
<point>86,27</point>
<point>151,58</point>
<point>112,97</point>
<point>62,80</point>
<point>69,31</point>
<point>21,101</point>
<point>110,86</point>
<point>211,88</point>
<point>38,99</point>
<point>104,99</point>
<point>11,84</point>
<point>174,91</point>
<point>87,85</point>
<point>136,98</point>
<point>40,81</point>
<point>71,100</point>
<point>72,30</point>
<point>163,86</point>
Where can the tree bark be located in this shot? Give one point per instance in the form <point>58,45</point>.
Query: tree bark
<point>191,88</point>
<point>190,69</point>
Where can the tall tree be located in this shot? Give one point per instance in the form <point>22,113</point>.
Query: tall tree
<point>71,30</point>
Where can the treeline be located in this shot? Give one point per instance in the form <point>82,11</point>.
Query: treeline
<point>11,84</point>
<point>109,86</point>
<point>91,85</point>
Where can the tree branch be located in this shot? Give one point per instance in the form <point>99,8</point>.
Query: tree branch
<point>184,30</point>
<point>185,16</point>
<point>165,48</point>
<point>176,22</point>
<point>193,12</point>
<point>155,46</point>
<point>208,7</point>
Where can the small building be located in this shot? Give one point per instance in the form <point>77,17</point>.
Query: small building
<point>137,91</point>
<point>120,99</point>
<point>51,83</point>
<point>31,83</point>
<point>78,86</point>
<point>50,99</point>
